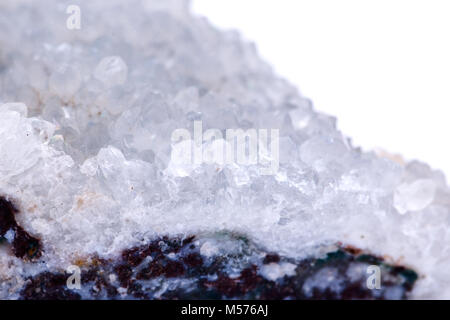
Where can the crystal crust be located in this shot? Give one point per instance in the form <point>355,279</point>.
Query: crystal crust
<point>86,118</point>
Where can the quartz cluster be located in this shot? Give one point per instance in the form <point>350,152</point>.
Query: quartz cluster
<point>86,119</point>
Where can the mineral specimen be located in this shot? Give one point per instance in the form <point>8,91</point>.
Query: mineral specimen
<point>173,268</point>
<point>89,175</point>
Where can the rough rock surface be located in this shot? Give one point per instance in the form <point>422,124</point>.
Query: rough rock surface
<point>171,268</point>
<point>88,168</point>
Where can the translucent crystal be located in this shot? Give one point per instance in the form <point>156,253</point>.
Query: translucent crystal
<point>86,150</point>
<point>274,271</point>
<point>111,71</point>
<point>65,81</point>
<point>415,196</point>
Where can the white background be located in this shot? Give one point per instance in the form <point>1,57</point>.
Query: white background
<point>382,67</point>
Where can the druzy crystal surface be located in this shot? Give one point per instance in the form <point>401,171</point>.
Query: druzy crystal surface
<point>87,160</point>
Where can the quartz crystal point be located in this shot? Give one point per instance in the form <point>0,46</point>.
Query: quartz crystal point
<point>88,169</point>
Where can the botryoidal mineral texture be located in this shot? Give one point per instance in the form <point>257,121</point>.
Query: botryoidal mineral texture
<point>90,177</point>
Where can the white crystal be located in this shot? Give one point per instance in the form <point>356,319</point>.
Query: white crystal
<point>325,279</point>
<point>92,165</point>
<point>414,196</point>
<point>111,71</point>
<point>275,271</point>
<point>209,249</point>
<point>65,81</point>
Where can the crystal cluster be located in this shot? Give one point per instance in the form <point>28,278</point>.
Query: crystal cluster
<point>86,118</point>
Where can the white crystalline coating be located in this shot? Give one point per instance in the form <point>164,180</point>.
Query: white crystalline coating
<point>17,107</point>
<point>65,81</point>
<point>274,271</point>
<point>9,236</point>
<point>90,162</point>
<point>325,279</point>
<point>208,249</point>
